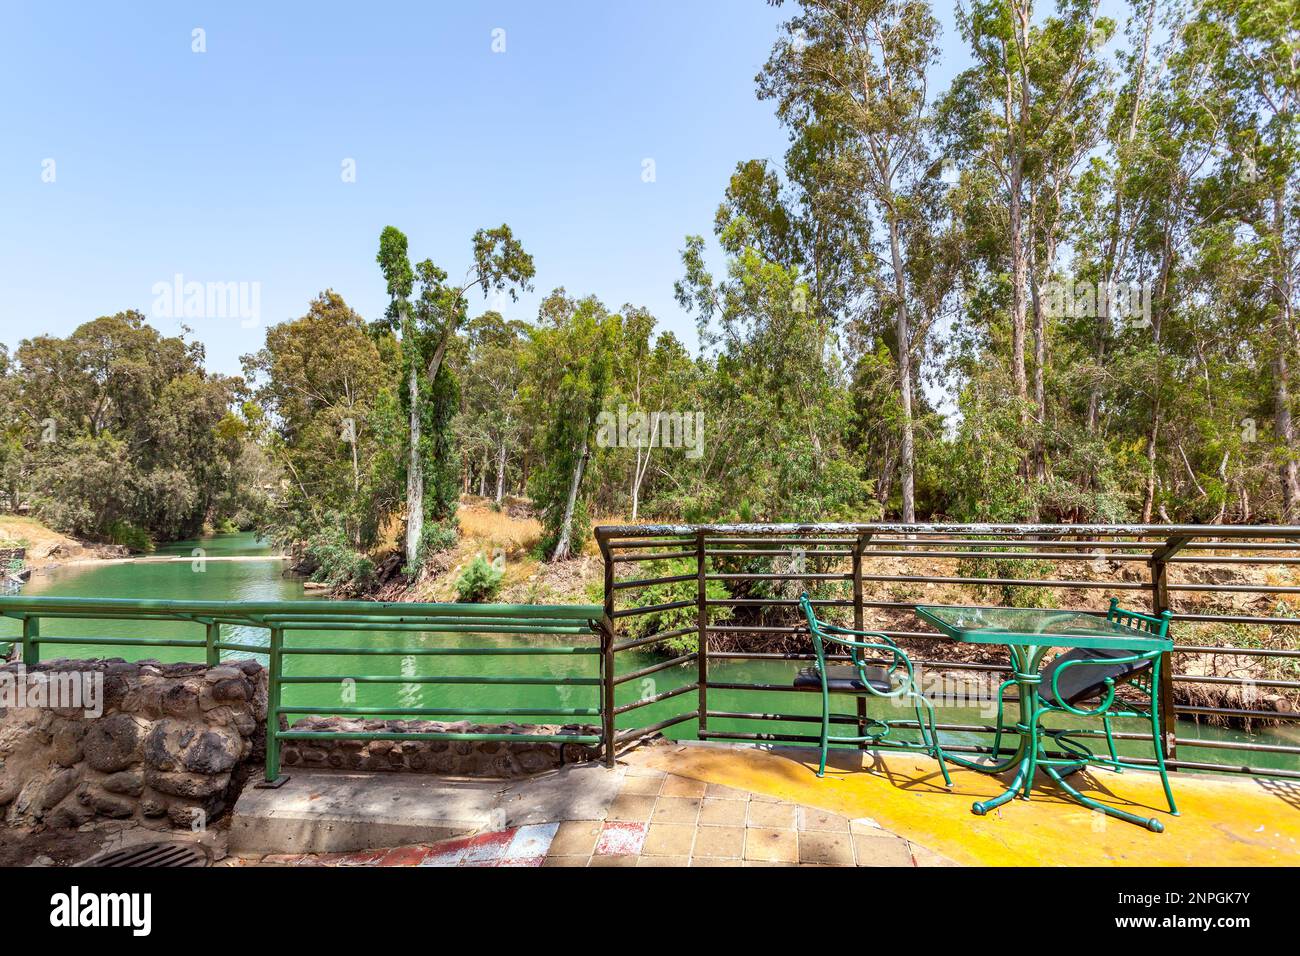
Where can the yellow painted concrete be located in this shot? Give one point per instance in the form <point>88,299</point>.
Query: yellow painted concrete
<point>1223,822</point>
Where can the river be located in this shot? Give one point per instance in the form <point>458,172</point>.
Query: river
<point>258,577</point>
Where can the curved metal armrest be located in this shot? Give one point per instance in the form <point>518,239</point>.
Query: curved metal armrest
<point>1110,681</point>
<point>856,648</point>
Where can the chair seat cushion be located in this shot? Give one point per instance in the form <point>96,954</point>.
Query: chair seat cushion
<point>1086,680</point>
<point>844,679</point>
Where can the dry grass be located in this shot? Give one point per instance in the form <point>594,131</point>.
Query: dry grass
<point>36,537</point>
<point>489,530</point>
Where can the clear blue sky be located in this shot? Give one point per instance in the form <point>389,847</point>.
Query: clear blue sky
<point>225,166</point>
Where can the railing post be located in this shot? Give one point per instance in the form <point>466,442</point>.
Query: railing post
<point>859,620</point>
<point>607,657</point>
<point>31,640</point>
<point>702,638</point>
<point>1160,604</point>
<point>212,637</point>
<point>273,776</point>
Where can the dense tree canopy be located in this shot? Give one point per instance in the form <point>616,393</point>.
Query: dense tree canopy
<point>1061,288</point>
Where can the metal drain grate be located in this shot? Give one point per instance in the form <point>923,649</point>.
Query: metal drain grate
<point>154,855</point>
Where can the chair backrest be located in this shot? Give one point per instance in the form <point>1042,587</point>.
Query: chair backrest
<point>1158,626</point>
<point>814,625</point>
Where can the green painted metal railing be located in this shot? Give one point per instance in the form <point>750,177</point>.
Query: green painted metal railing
<point>279,618</point>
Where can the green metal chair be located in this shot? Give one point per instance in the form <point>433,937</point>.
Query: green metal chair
<point>896,682</point>
<point>1093,674</point>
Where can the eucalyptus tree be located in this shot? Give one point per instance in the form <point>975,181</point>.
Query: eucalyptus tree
<point>854,73</point>
<point>427,326</point>
<point>568,364</point>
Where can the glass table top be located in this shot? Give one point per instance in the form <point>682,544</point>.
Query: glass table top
<point>1015,625</point>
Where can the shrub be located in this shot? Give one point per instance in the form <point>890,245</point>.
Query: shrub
<point>338,564</point>
<point>643,625</point>
<point>125,533</point>
<point>479,581</point>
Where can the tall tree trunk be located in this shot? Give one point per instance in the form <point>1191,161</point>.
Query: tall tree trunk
<point>564,545</point>
<point>501,470</point>
<point>414,472</point>
<point>907,461</point>
<point>1287,471</point>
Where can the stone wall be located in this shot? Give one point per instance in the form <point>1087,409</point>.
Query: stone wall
<point>466,758</point>
<point>166,746</point>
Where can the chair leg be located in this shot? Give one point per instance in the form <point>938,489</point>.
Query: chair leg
<point>826,727</point>
<point>1110,743</point>
<point>932,743</point>
<point>997,737</point>
<point>1160,750</point>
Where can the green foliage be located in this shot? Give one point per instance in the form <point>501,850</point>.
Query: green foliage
<point>568,362</point>
<point>118,423</point>
<point>1008,595</point>
<point>637,626</point>
<point>338,563</point>
<point>480,581</point>
<point>124,533</point>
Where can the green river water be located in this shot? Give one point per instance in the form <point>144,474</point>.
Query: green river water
<point>262,580</point>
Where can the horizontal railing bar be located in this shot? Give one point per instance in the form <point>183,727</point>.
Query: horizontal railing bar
<point>626,735</point>
<point>768,541</point>
<point>443,651</point>
<point>777,576</point>
<point>1234,712</point>
<point>661,542</point>
<point>1233,619</point>
<point>775,553</point>
<point>432,627</point>
<point>42,605</point>
<point>917,545</point>
<point>447,712</point>
<point>377,735</point>
<point>663,556</point>
<point>782,602</point>
<point>117,641</point>
<point>1007,582</point>
<point>648,582</point>
<point>654,668</point>
<point>636,532</point>
<point>653,639</point>
<point>663,695</point>
<point>653,608</point>
<point>1010,555</point>
<point>1236,681</point>
<point>1238,588</point>
<point>1242,651</point>
<point>420,679</point>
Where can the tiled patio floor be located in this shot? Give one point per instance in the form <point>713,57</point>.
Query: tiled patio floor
<point>660,819</point>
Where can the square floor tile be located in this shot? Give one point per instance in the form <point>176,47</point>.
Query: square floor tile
<point>728,842</point>
<point>772,816</point>
<point>820,846</point>
<point>668,839</point>
<point>630,808</point>
<point>715,811</point>
<point>575,838</point>
<point>621,839</point>
<point>676,810</point>
<point>682,787</point>
<point>771,846</point>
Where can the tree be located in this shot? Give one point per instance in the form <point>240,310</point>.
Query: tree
<point>327,386</point>
<point>427,326</point>
<point>856,69</point>
<point>567,365</point>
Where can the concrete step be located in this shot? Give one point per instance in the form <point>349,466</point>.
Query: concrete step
<point>332,812</point>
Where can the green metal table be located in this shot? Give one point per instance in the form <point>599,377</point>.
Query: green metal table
<point>1029,634</point>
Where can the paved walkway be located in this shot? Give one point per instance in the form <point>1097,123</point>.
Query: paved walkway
<point>702,805</point>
